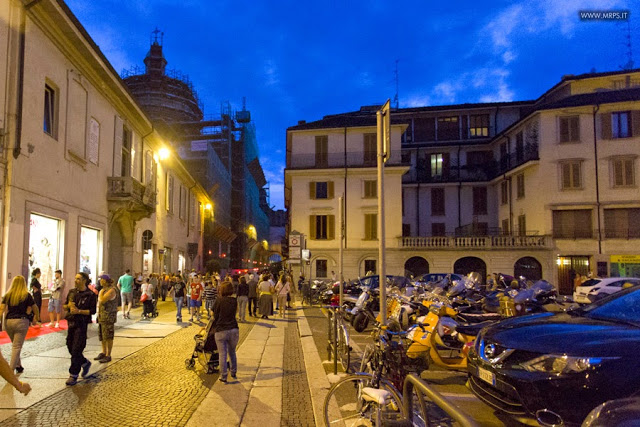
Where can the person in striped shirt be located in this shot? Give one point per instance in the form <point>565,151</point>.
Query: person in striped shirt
<point>210,295</point>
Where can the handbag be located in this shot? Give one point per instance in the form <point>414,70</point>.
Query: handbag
<point>144,297</point>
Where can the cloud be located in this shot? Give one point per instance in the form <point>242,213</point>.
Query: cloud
<point>415,100</point>
<point>271,73</point>
<point>365,79</point>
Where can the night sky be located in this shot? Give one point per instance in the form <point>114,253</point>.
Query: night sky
<point>297,60</point>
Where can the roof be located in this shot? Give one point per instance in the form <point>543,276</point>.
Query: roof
<point>593,98</point>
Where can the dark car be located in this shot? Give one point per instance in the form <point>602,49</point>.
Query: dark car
<point>621,413</point>
<point>558,367</point>
<point>373,282</point>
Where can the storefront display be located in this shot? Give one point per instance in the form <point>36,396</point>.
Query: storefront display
<point>167,261</point>
<point>45,250</point>
<point>147,262</point>
<point>90,252</point>
<point>625,265</point>
<point>182,265</point>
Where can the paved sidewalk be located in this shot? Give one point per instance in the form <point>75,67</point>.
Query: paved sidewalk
<point>147,382</point>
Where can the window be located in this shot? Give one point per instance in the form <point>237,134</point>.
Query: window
<point>321,190</point>
<point>569,129</point>
<point>519,147</point>
<point>49,122</point>
<point>572,224</point>
<point>370,149</point>
<point>370,266</point>
<point>322,151</point>
<point>438,229</point>
<point>437,202</point>
<point>424,129</point>
<point>192,210</point>
<point>622,223</point>
<point>93,141</point>
<point>406,157</point>
<point>321,268</point>
<point>370,226</point>
<point>322,227</point>
<point>436,165</point>
<point>520,186</point>
<point>479,126</point>
<point>406,230</point>
<point>623,172</point>
<point>479,200</point>
<point>504,192</point>
<point>504,156</point>
<point>169,193</point>
<point>370,189</point>
<point>571,174</point>
<point>522,225</point>
<point>505,227</point>
<point>621,124</point>
<point>126,152</point>
<point>448,128</point>
<point>182,209</point>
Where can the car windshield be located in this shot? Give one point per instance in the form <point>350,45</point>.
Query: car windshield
<point>624,307</point>
<point>373,281</point>
<point>591,282</point>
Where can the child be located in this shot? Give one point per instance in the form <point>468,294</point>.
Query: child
<point>210,294</point>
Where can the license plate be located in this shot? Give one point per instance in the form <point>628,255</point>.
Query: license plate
<point>487,376</point>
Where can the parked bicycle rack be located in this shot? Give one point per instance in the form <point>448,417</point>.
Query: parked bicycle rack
<point>412,381</point>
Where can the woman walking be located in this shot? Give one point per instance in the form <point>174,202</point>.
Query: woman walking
<point>18,305</point>
<point>147,289</point>
<point>265,290</point>
<point>36,289</point>
<point>282,290</point>
<point>226,327</point>
<point>107,316</point>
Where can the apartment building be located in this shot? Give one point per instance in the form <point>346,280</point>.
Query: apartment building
<point>526,188</point>
<point>87,184</point>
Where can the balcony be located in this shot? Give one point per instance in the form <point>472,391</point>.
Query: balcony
<point>351,159</point>
<point>476,242</point>
<point>127,194</point>
<point>620,233</point>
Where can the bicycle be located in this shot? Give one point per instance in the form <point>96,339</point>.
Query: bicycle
<point>363,400</point>
<point>342,344</point>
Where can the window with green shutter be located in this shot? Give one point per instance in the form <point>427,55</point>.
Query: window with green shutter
<point>370,226</point>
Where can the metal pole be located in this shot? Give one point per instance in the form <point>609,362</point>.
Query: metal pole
<point>341,251</point>
<point>335,341</point>
<point>381,236</point>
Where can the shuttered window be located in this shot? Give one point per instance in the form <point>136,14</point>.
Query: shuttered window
<point>321,190</point>
<point>623,172</point>
<point>437,202</point>
<point>522,225</point>
<point>572,224</point>
<point>370,189</point>
<point>322,151</point>
<point>571,172</point>
<point>322,227</point>
<point>520,186</point>
<point>504,192</point>
<point>569,128</point>
<point>622,223</point>
<point>370,226</point>
<point>479,200</point>
<point>370,149</point>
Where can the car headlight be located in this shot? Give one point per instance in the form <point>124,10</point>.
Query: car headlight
<point>558,365</point>
<point>594,290</point>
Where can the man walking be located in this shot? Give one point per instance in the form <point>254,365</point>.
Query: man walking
<point>243,298</point>
<point>253,296</point>
<point>125,284</point>
<point>80,306</point>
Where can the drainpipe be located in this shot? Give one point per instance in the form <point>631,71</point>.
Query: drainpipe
<point>595,155</point>
<point>344,200</point>
<point>459,191</point>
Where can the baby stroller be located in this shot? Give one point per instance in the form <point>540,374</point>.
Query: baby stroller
<point>205,351</point>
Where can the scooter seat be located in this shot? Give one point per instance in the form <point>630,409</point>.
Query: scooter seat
<point>472,329</point>
<point>479,317</point>
<point>377,395</point>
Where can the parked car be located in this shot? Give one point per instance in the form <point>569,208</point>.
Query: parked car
<point>622,412</point>
<point>595,289</point>
<point>558,367</point>
<point>436,277</point>
<point>373,282</point>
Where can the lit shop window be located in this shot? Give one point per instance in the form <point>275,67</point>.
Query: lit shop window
<point>45,252</point>
<point>90,252</point>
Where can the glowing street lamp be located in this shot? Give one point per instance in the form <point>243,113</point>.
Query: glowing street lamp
<point>163,153</point>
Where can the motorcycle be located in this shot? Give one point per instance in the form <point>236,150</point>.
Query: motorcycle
<point>363,311</point>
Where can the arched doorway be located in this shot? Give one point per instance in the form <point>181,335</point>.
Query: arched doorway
<point>470,264</point>
<point>528,267</point>
<point>416,266</point>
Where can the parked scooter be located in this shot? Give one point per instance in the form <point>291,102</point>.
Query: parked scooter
<point>363,312</point>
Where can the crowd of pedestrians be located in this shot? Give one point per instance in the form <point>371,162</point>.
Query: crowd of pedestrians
<point>227,302</point>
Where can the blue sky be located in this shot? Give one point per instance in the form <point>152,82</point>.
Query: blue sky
<point>296,60</point>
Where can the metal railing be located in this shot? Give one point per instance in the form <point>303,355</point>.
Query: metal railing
<point>476,242</point>
<point>412,382</point>
<point>338,160</point>
<point>126,187</point>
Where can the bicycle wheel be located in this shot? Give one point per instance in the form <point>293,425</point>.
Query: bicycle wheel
<point>344,350</point>
<point>346,403</point>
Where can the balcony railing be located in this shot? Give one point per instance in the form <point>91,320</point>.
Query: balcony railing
<point>607,233</point>
<point>128,189</point>
<point>338,160</point>
<point>476,242</point>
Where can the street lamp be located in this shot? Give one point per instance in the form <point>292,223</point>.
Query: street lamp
<point>163,153</point>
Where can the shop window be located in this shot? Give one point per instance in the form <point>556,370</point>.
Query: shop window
<point>321,268</point>
<point>45,251</point>
<point>90,250</point>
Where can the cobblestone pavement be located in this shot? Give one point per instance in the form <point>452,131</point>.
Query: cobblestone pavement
<point>297,409</point>
<point>151,387</point>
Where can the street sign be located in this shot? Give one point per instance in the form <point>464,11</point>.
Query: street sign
<point>294,241</point>
<point>294,253</point>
